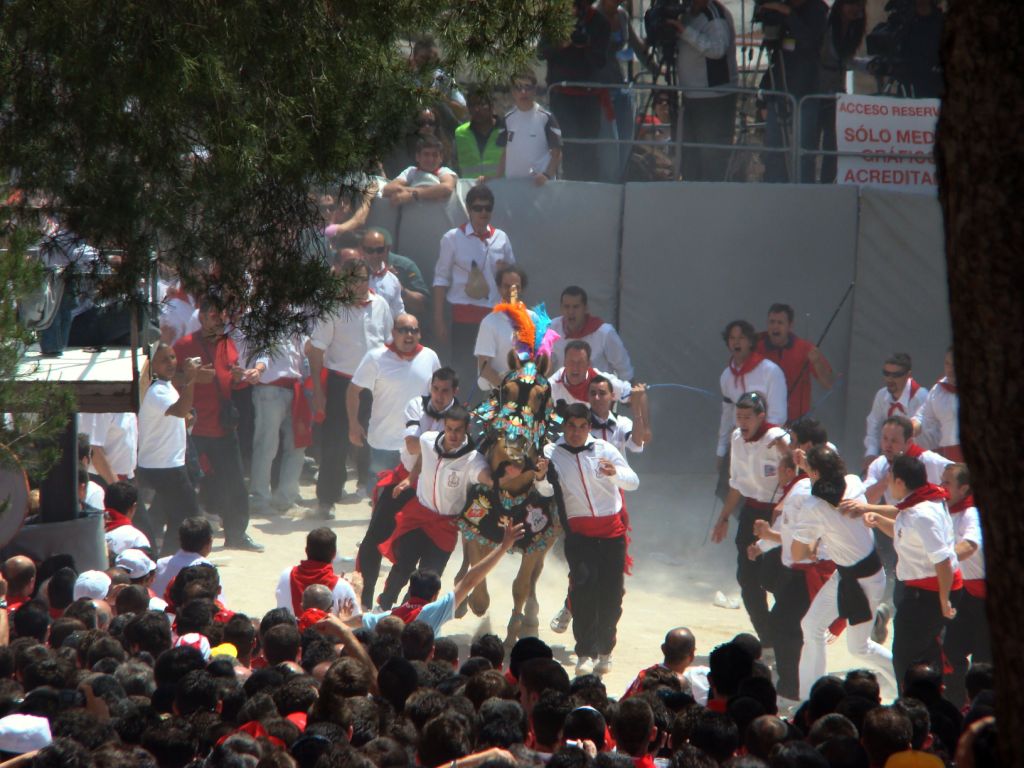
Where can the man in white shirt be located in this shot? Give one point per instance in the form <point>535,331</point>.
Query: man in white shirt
<point>338,343</point>
<point>531,141</point>
<point>317,568</point>
<point>901,395</point>
<point>385,283</point>
<point>161,464</point>
<point>497,336</point>
<point>607,352</point>
<point>571,383</point>
<point>282,424</point>
<point>937,422</point>
<point>195,539</point>
<point>422,414</point>
<point>425,181</point>
<point>754,481</point>
<point>393,375</point>
<point>590,475</point>
<point>425,529</point>
<point>114,438</point>
<point>120,502</point>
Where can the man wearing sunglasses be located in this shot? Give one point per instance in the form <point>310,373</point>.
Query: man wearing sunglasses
<point>374,250</point>
<point>900,395</point>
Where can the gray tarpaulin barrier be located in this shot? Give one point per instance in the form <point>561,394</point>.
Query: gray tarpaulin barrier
<point>420,226</point>
<point>901,303</point>
<point>694,257</point>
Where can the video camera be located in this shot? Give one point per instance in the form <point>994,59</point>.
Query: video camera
<point>885,42</point>
<point>661,35</point>
<point>771,22</point>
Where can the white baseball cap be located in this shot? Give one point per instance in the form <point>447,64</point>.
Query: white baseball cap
<point>23,733</point>
<point>92,584</point>
<point>136,562</point>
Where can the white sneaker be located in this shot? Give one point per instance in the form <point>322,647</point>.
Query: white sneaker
<point>562,619</point>
<point>585,666</point>
<point>604,664</point>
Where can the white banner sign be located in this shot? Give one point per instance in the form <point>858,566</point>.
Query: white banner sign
<point>876,126</point>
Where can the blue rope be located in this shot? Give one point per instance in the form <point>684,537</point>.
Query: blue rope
<point>686,387</point>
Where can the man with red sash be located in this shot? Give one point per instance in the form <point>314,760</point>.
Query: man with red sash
<point>968,633</point>
<point>798,358</point>
<point>938,420</point>
<point>425,531</point>
<point>317,568</point>
<point>901,395</point>
<point>754,481</point>
<point>120,501</point>
<point>607,352</point>
<point>927,564</point>
<point>571,383</point>
<point>589,474</point>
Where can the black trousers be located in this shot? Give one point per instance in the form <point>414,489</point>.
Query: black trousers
<point>172,498</point>
<point>225,483</point>
<point>242,398</point>
<point>463,360</point>
<point>330,480</point>
<point>967,635</point>
<point>579,117</point>
<point>382,525</point>
<point>596,583</point>
<point>791,603</point>
<point>413,550</point>
<point>917,630</point>
<point>708,121</point>
<point>748,573</point>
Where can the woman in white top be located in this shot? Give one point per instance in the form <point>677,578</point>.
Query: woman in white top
<point>856,588</point>
<point>161,468</point>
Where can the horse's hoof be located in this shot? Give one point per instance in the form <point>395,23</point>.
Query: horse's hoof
<point>480,610</point>
<point>462,609</point>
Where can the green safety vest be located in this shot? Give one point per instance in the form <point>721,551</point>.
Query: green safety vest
<point>471,163</point>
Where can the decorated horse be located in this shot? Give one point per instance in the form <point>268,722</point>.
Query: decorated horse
<point>515,423</point>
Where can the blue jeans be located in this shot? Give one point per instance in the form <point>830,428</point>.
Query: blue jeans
<point>273,430</point>
<point>54,340</point>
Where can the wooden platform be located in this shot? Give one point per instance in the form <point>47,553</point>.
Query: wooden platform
<point>102,381</point>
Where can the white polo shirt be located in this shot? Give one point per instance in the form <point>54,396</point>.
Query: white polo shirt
<point>528,138</point>
<point>460,249</point>
<point>419,418</point>
<point>939,417</point>
<point>350,332</point>
<point>768,379</point>
<point>967,527</point>
<point>387,285</point>
<point>934,464</point>
<point>393,380</point>
<point>847,539</point>
<point>923,536</point>
<point>444,482</point>
<point>495,339</point>
<point>342,593</point>
<point>118,435</point>
<point>414,177</point>
<point>161,437</point>
<point>754,465</point>
<point>585,491</point>
<point>607,351</point>
<point>907,404</point>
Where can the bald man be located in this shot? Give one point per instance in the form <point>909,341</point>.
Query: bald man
<point>318,596</point>
<point>20,574</point>
<point>678,652</point>
<point>394,374</point>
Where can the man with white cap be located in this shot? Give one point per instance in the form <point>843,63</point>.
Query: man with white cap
<point>23,733</point>
<point>92,584</point>
<point>140,569</point>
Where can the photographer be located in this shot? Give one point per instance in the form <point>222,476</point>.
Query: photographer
<point>578,109</point>
<point>846,24</point>
<point>706,57</point>
<point>794,69</point>
<point>920,48</point>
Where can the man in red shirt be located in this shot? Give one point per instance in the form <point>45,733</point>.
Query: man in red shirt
<point>215,432</point>
<point>798,358</point>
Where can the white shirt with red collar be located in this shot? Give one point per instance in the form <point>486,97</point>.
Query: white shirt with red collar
<point>617,430</point>
<point>461,247</point>
<point>847,539</point>
<point>907,404</point>
<point>766,378</point>
<point>386,284</point>
<point>934,466</point>
<point>939,416</point>
<point>445,480</point>
<point>393,380</point>
<point>421,417</point>
<point>607,351</point>
<point>754,464</point>
<point>587,493</point>
<point>923,536</point>
<point>495,339</point>
<point>347,334</point>
<point>967,527</point>
<point>580,393</point>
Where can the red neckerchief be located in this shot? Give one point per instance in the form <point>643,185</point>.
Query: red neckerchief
<point>963,505</point>
<point>470,232</point>
<point>14,603</point>
<point>647,761</point>
<point>410,609</point>
<point>309,617</point>
<point>410,356</point>
<point>590,325</point>
<point>913,450</point>
<point>306,573</point>
<point>927,492</point>
<point>788,487</point>
<point>177,293</point>
<point>896,405</point>
<point>765,426</point>
<point>255,729</point>
<point>580,391</point>
<point>739,374</point>
<point>115,520</point>
<point>223,616</point>
<point>951,388</point>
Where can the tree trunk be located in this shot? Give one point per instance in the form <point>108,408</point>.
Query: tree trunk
<point>980,158</point>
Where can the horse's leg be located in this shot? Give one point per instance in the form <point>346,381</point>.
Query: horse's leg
<point>532,609</point>
<point>478,599</point>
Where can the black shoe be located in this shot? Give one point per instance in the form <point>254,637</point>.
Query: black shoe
<point>245,543</point>
<point>323,513</point>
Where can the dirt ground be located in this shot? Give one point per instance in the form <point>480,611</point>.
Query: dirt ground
<point>675,577</point>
